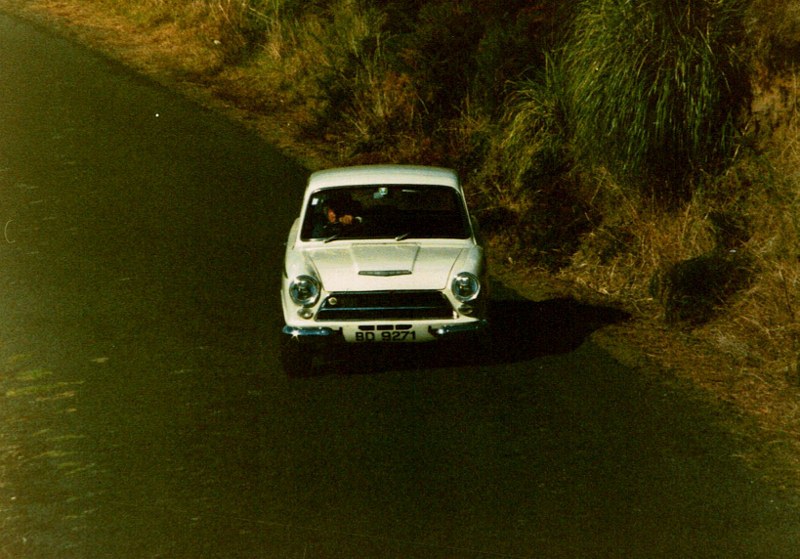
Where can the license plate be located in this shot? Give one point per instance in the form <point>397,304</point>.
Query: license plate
<point>388,333</point>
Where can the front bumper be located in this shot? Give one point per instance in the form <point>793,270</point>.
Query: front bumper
<point>311,332</point>
<point>449,331</point>
<point>460,329</point>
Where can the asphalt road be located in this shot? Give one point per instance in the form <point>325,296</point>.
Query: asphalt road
<point>143,413</point>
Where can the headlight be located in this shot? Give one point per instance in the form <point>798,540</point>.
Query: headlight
<point>304,290</point>
<point>465,287</point>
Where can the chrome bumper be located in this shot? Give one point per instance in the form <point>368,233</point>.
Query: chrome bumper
<point>306,332</point>
<point>322,333</point>
<point>450,330</point>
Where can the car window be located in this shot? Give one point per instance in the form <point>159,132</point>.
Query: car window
<point>385,211</point>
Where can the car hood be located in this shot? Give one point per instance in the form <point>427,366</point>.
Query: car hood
<point>371,266</point>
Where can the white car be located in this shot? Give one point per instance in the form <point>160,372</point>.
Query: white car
<point>380,254</point>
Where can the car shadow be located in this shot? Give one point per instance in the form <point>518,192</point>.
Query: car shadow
<point>520,330</point>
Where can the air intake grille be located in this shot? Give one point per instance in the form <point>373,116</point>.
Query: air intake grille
<point>385,305</point>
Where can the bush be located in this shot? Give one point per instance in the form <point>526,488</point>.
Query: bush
<point>526,180</point>
<point>514,46</point>
<point>438,56</point>
<point>655,88</point>
<point>534,142</point>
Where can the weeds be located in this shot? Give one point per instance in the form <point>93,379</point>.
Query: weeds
<point>526,174</point>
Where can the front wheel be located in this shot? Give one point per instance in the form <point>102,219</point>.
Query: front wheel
<point>297,359</point>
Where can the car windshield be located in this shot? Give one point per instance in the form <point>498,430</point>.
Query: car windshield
<point>385,212</point>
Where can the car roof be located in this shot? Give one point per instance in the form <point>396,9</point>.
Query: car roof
<point>382,174</point>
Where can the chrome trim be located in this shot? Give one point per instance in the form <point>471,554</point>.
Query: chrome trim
<point>302,332</point>
<point>455,329</point>
<point>384,273</point>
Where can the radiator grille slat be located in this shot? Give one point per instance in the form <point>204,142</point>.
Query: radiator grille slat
<point>385,305</point>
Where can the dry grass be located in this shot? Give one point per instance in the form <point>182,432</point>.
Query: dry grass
<point>621,256</point>
<point>774,28</point>
<point>766,318</point>
<point>157,48</point>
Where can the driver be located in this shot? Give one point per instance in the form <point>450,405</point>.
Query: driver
<point>339,213</point>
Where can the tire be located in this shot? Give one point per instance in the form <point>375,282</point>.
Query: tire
<point>297,359</point>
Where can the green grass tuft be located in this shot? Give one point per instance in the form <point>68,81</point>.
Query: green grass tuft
<point>655,88</point>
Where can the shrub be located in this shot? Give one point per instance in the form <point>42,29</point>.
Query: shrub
<point>526,180</point>
<point>655,87</point>
<point>369,104</point>
<point>438,55</point>
<point>534,140</point>
<point>329,59</point>
<point>513,46</point>
<point>348,44</point>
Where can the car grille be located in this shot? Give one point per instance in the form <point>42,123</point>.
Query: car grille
<point>385,305</point>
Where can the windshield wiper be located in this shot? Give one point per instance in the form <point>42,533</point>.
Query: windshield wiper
<point>332,238</point>
<point>402,237</point>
